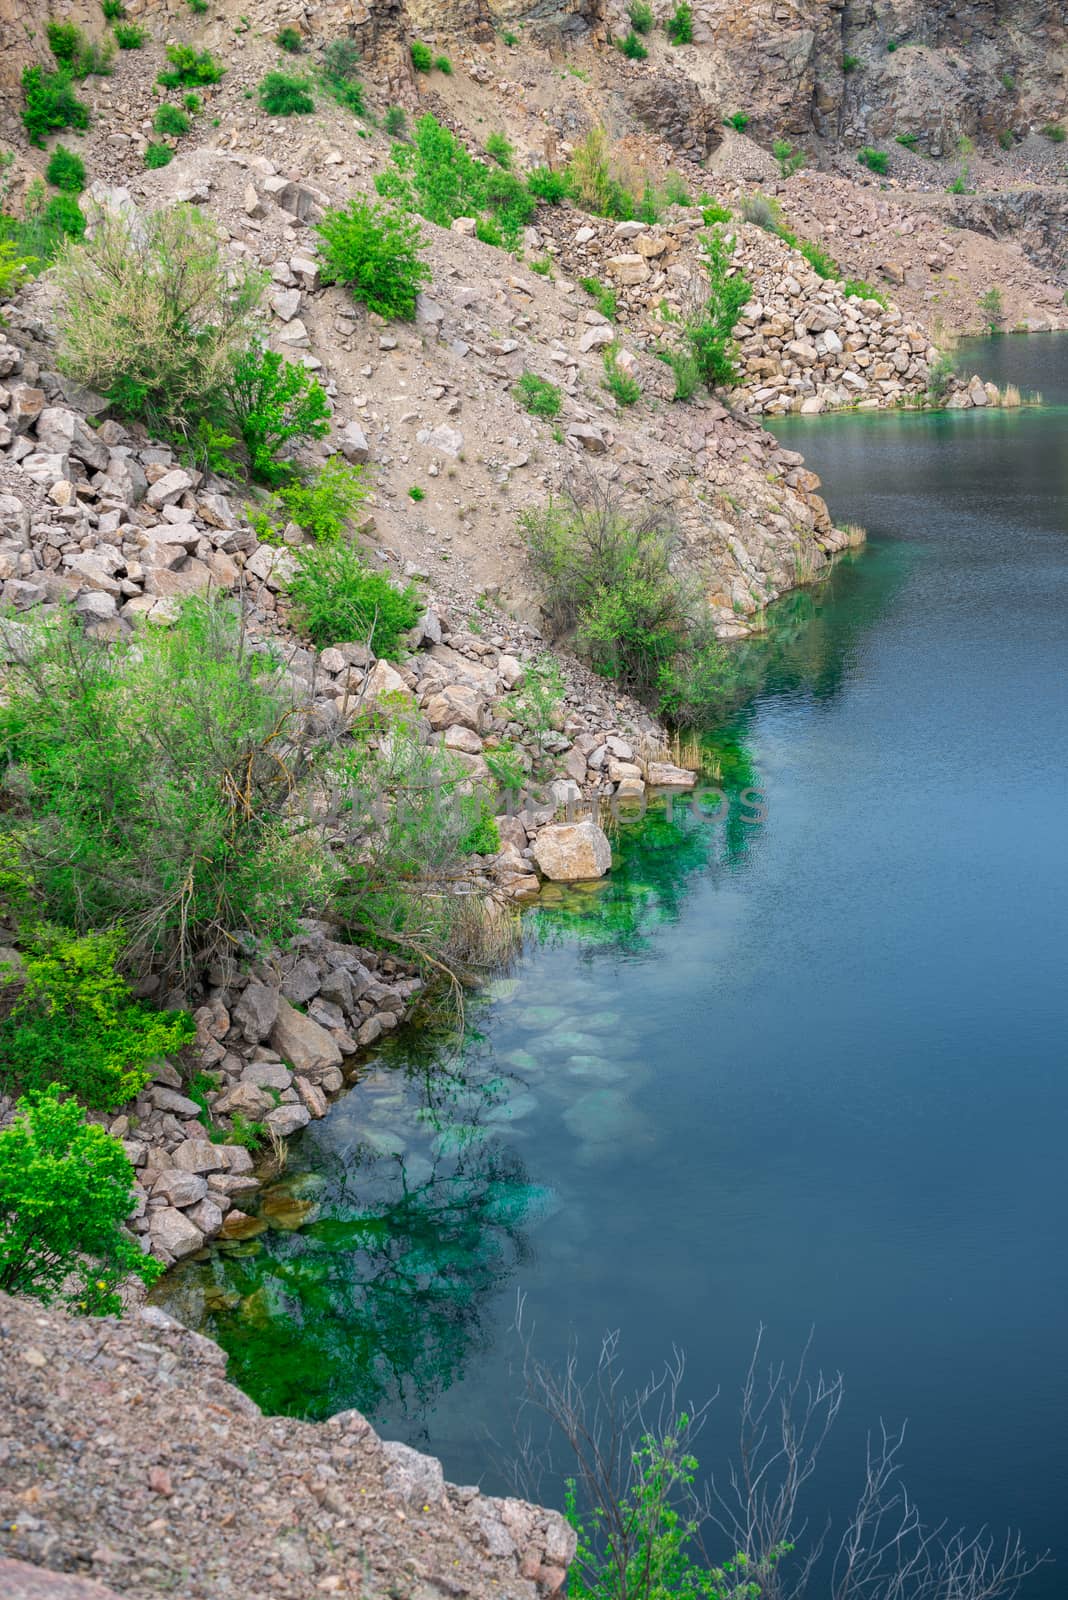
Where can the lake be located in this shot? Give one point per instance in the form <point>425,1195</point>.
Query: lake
<point>807,1071</point>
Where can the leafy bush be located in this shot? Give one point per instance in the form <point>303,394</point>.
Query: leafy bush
<point>66,41</point>
<point>337,599</point>
<point>762,212</point>
<point>789,159</point>
<point>708,327</point>
<point>152,316</point>
<point>538,396</point>
<point>113,10</point>
<point>436,176</point>
<point>683,364</point>
<point>65,215</point>
<point>284,96</point>
<point>908,140</point>
<point>640,16</point>
<point>624,389</point>
<point>1006,139</point>
<point>66,1188</point>
<point>415,493</point>
<point>863,291</point>
<point>850,63</point>
<point>675,192</point>
<point>66,170</point>
<point>15,269</point>
<point>155,785</point>
<point>738,121</point>
<point>1055,132</point>
<point>340,77</point>
<point>128,36</point>
<point>992,305</point>
<point>823,264</point>
<point>170,119</point>
<point>679,26</point>
<point>197,7</point>
<point>593,184</point>
<point>189,67</point>
<point>273,402</point>
<point>875,160</point>
<point>158,155</point>
<point>289,39</point>
<point>50,104</point>
<point>501,150</point>
<point>483,838</point>
<point>325,503</point>
<point>941,374</point>
<point>422,56</point>
<point>443,64</point>
<point>395,122</point>
<point>632,47</point>
<point>545,184</point>
<point>603,294</point>
<point>712,212</point>
<point>76,1023</point>
<point>375,252</point>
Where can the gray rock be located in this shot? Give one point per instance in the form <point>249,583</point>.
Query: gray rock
<point>166,490</point>
<point>417,1478</point>
<point>171,1230</point>
<point>256,1011</point>
<point>179,1188</point>
<point>308,1048</point>
<point>285,1120</point>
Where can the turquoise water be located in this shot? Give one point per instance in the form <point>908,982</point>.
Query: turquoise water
<point>806,1071</point>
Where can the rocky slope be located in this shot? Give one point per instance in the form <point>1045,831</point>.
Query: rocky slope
<point>126,1458</point>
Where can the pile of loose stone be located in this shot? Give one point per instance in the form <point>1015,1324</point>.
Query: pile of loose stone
<point>803,344</point>
<point>126,1458</point>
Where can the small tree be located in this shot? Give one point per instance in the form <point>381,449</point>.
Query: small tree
<point>992,306</point>
<point>65,1192</point>
<point>708,328</point>
<point>273,402</point>
<point>375,252</point>
<point>152,316</point>
<point>679,26</point>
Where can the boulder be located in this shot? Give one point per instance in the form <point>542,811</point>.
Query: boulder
<point>179,1188</point>
<point>171,487</point>
<point>455,706</point>
<point>572,852</point>
<point>256,1011</point>
<point>200,1155</point>
<point>308,1048</point>
<point>171,1230</point>
<point>284,1120</point>
<point>662,775</point>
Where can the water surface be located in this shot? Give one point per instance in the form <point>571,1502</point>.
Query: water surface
<point>808,1071</point>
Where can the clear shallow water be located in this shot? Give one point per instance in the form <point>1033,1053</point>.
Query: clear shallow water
<point>805,1072</point>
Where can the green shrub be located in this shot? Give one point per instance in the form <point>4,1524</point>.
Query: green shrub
<point>940,375</point>
<point>190,68</point>
<point>535,704</point>
<point>50,104</point>
<point>422,56</point>
<point>875,160</point>
<point>15,270</point>
<point>375,252</point>
<point>395,122</point>
<point>640,16</point>
<point>508,202</point>
<point>909,140</point>
<point>198,7</point>
<point>624,389</point>
<point>863,291</point>
<point>171,120</point>
<point>821,262</point>
<point>289,39</point>
<point>679,26</point>
<point>152,317</point>
<point>592,183</point>
<point>738,121</point>
<point>545,184</point>
<point>273,403</point>
<point>789,159</point>
<point>66,170</point>
<point>603,294</point>
<point>158,155</point>
<point>708,328</point>
<point>337,599</point>
<point>416,494</point>
<point>538,396</point>
<point>192,103</point>
<point>436,176</point>
<point>113,10</point>
<point>340,76</point>
<point>66,1189</point>
<point>483,837</point>
<point>992,305</point>
<point>284,96</point>
<point>712,212</point>
<point>325,503</point>
<point>251,1136</point>
<point>675,192</point>
<point>632,47</point>
<point>500,149</point>
<point>683,364</point>
<point>850,63</point>
<point>443,64</point>
<point>1006,139</point>
<point>1055,132</point>
<point>179,823</point>
<point>64,215</point>
<point>128,36</point>
<point>76,1023</point>
<point>76,53</point>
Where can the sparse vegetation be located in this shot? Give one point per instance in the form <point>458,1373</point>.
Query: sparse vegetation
<point>171,120</point>
<point>282,95</point>
<point>789,159</point>
<point>640,16</point>
<point>1055,132</point>
<point>942,371</point>
<point>708,324</point>
<point>500,149</point>
<point>290,39</point>
<point>422,56</point>
<point>128,36</point>
<point>622,385</point>
<point>273,403</point>
<point>545,184</point>
<point>436,176</point>
<point>158,155</point>
<point>738,120</point>
<point>190,68</point>
<point>864,291</point>
<point>66,170</point>
<point>603,294</point>
<point>340,76</point>
<point>538,396</point>
<point>876,161</point>
<point>992,305</point>
<point>376,253</point>
<point>679,26</point>
<point>850,63</point>
<point>49,104</point>
<point>337,598</point>
<point>632,47</point>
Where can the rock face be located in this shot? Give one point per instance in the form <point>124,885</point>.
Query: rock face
<point>573,852</point>
<point>241,1505</point>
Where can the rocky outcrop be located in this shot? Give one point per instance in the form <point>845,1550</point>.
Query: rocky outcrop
<point>674,107</point>
<point>182,1489</point>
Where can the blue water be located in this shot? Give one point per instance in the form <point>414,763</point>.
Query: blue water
<point>821,1075</point>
